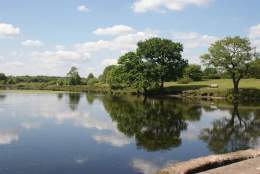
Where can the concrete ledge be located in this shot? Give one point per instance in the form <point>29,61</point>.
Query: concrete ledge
<point>251,166</point>
<point>209,162</point>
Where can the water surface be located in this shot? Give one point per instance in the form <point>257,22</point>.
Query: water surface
<point>82,133</point>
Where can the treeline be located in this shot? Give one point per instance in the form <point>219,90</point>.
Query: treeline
<point>158,60</point>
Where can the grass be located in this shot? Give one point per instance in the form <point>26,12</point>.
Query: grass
<point>250,88</point>
<point>223,84</point>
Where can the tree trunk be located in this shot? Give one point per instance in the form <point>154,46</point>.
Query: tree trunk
<point>162,83</point>
<point>236,88</point>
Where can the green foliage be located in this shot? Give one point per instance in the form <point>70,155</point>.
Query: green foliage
<point>3,77</point>
<point>211,73</point>
<point>133,71</point>
<point>155,61</point>
<point>166,55</point>
<point>73,76</point>
<point>232,55</point>
<point>90,76</point>
<point>92,81</point>
<point>193,72</point>
<point>254,69</point>
<point>106,76</point>
<point>60,82</point>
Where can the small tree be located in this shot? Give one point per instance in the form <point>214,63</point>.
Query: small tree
<point>211,73</point>
<point>166,55</point>
<point>194,72</point>
<point>3,77</point>
<point>233,55</point>
<point>73,76</point>
<point>90,76</point>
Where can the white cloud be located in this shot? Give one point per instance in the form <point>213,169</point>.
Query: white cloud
<point>107,62</point>
<point>256,43</point>
<point>60,47</point>
<point>32,43</point>
<point>193,39</point>
<point>254,35</point>
<point>7,137</point>
<point>14,63</point>
<point>114,30</point>
<point>8,30</point>
<point>83,8</point>
<point>141,6</point>
<point>125,42</point>
<point>145,166</point>
<point>59,55</point>
<point>254,31</point>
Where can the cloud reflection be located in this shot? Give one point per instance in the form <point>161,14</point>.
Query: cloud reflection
<point>115,139</point>
<point>9,136</point>
<point>145,166</point>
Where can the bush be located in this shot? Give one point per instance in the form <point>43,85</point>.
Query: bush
<point>184,80</point>
<point>92,81</point>
<point>194,72</point>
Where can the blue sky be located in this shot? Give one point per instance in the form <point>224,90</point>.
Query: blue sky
<point>48,37</point>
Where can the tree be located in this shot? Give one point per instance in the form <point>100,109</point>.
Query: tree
<point>3,77</point>
<point>233,55</point>
<point>90,76</point>
<point>194,72</point>
<point>211,73</point>
<point>133,71</point>
<point>165,54</point>
<point>107,74</point>
<point>73,76</point>
<point>254,70</point>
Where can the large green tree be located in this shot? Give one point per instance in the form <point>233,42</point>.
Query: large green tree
<point>133,71</point>
<point>232,55</point>
<point>165,54</point>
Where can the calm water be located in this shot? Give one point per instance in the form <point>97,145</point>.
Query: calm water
<point>77,133</point>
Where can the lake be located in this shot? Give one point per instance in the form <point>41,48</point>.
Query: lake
<point>65,133</point>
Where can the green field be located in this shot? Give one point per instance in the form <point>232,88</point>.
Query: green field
<point>222,83</point>
<point>249,89</point>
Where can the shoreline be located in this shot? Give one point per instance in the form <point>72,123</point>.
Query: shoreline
<point>210,162</point>
<point>246,94</point>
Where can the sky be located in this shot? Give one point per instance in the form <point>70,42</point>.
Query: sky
<point>47,37</point>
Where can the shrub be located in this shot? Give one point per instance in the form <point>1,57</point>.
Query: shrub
<point>184,80</point>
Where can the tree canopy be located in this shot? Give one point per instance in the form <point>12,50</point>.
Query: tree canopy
<point>165,54</point>
<point>155,61</point>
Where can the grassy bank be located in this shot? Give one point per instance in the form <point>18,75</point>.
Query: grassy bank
<point>249,88</point>
<point>98,88</point>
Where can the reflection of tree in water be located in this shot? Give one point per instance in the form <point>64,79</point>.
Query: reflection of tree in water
<point>90,98</point>
<point>231,134</point>
<point>59,96</point>
<point>2,97</point>
<point>74,99</point>
<point>155,124</point>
